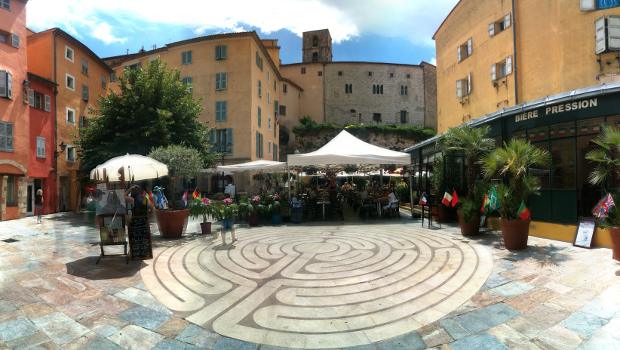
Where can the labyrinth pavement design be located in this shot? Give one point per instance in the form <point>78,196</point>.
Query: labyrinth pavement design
<point>318,287</point>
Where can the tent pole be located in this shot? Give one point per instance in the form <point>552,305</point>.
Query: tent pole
<point>411,190</point>
<point>288,173</point>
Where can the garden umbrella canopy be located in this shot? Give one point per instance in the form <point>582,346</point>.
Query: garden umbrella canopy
<point>133,167</point>
<point>348,149</point>
<point>257,165</point>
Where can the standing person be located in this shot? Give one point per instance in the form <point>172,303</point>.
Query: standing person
<point>38,205</point>
<point>140,205</point>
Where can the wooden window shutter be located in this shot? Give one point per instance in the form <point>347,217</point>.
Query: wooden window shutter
<point>507,21</point>
<point>48,103</point>
<point>15,40</point>
<point>229,140</point>
<point>9,85</point>
<point>3,87</point>
<point>31,97</point>
<point>508,65</point>
<point>458,54</point>
<point>469,47</point>
<point>491,29</point>
<point>494,72</point>
<point>459,89</point>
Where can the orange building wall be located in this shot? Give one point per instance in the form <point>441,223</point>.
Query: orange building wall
<point>40,53</point>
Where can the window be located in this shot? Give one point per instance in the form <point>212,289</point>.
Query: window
<point>607,34</point>
<point>187,81</point>
<point>5,4</point>
<point>221,52</point>
<point>303,70</point>
<point>70,154</point>
<point>112,77</point>
<point>376,117</point>
<point>6,137</point>
<point>377,89</point>
<point>186,57</point>
<point>339,73</point>
<point>84,67</point>
<point>499,25</point>
<point>275,83</point>
<point>40,147</point>
<point>70,82</point>
<point>4,37</point>
<point>403,117</point>
<point>85,93</point>
<point>83,121</point>
<point>221,81</point>
<point>134,66</point>
<point>275,108</point>
<point>69,53</point>
<point>319,73</point>
<point>315,57</point>
<point>268,121</point>
<point>260,89</point>
<point>37,100</point>
<point>284,88</point>
<point>11,191</point>
<point>501,69</point>
<point>70,113</point>
<point>408,76</point>
<point>15,40</point>
<point>259,61</point>
<point>48,103</point>
<point>464,50</point>
<point>104,84</point>
<point>370,74</point>
<point>220,111</point>
<point>463,87</point>
<point>404,90</point>
<point>315,41</point>
<point>6,84</point>
<point>268,98</point>
<point>282,110</point>
<point>222,140</point>
<point>259,116</point>
<point>348,88</point>
<point>259,145</point>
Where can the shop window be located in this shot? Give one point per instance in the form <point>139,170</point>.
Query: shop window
<point>500,25</point>
<point>6,137</point>
<point>613,121</point>
<point>464,50</point>
<point>589,126</point>
<point>562,130</point>
<point>11,191</point>
<point>538,134</point>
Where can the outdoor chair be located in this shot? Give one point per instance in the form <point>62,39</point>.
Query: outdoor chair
<point>393,210</point>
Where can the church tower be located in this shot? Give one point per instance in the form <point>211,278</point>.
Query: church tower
<point>317,46</point>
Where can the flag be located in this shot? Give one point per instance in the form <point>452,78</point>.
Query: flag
<point>447,199</point>
<point>185,198</point>
<point>455,198</point>
<point>196,194</point>
<point>423,199</point>
<point>485,204</point>
<point>524,212</point>
<point>603,206</point>
<point>493,200</point>
<point>145,198</point>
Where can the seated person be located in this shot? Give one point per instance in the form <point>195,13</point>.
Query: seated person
<point>392,200</point>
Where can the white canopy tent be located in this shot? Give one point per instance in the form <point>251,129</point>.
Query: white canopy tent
<point>257,165</point>
<point>348,149</point>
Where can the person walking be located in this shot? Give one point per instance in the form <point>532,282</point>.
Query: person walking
<point>38,205</point>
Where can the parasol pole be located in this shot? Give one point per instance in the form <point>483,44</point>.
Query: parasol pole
<point>288,173</point>
<point>411,190</point>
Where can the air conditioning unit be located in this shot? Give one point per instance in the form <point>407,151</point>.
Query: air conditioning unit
<point>607,34</point>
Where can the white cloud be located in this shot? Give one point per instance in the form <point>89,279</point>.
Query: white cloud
<point>433,61</point>
<point>415,20</point>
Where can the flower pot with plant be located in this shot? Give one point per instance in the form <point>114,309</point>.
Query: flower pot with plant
<point>183,163</point>
<point>473,144</point>
<point>512,164</point>
<point>275,209</point>
<point>201,207</point>
<point>226,213</point>
<point>606,174</point>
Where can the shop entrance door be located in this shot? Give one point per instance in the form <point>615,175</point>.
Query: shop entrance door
<point>63,201</point>
<point>30,200</point>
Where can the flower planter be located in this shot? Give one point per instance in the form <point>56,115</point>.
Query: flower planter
<point>205,228</point>
<point>614,232</point>
<point>172,223</point>
<point>515,233</point>
<point>276,219</point>
<point>253,220</point>
<point>471,227</point>
<point>227,224</point>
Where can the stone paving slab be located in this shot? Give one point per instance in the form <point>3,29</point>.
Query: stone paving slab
<point>551,296</point>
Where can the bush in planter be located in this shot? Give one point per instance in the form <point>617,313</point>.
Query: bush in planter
<point>512,163</point>
<point>226,212</point>
<point>275,209</point>
<point>201,207</point>
<point>606,173</point>
<point>182,162</point>
<point>473,144</point>
<point>402,191</point>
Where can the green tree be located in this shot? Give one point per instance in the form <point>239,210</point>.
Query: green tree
<point>152,108</point>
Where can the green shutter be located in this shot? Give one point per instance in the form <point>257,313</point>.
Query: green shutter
<point>229,140</point>
<point>212,136</point>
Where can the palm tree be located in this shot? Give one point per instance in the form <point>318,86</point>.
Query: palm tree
<point>606,158</point>
<point>473,143</point>
<point>512,163</point>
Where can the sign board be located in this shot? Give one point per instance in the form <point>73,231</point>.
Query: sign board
<point>605,4</point>
<point>585,232</point>
<point>140,238</point>
<point>112,230</point>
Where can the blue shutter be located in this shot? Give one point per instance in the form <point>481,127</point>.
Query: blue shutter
<point>229,140</point>
<point>212,136</point>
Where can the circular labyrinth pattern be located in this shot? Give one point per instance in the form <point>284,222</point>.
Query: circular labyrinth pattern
<point>318,287</point>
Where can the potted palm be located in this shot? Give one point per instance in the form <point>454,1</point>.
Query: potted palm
<point>606,173</point>
<point>183,163</point>
<point>512,163</point>
<point>473,144</point>
<point>201,207</point>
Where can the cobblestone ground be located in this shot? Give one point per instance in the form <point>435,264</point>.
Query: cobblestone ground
<point>197,293</point>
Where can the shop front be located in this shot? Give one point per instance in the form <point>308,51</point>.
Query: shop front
<point>564,125</point>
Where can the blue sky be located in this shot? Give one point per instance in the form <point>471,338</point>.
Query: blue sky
<point>396,31</point>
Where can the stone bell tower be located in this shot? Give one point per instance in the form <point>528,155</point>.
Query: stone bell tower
<point>317,46</point>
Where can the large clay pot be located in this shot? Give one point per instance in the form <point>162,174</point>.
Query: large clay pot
<point>276,219</point>
<point>205,228</point>
<point>615,242</point>
<point>172,223</point>
<point>253,219</point>
<point>471,227</point>
<point>515,233</point>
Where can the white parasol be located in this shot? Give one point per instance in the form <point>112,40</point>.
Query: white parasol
<point>133,167</point>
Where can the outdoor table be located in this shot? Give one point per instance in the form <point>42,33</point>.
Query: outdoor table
<point>323,204</point>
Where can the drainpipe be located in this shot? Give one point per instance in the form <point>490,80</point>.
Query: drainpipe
<point>55,138</point>
<point>514,48</point>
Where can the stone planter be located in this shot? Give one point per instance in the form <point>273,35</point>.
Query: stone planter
<point>614,232</point>
<point>516,233</point>
<point>172,223</point>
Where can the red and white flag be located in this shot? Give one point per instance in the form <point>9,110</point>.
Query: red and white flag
<point>447,199</point>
